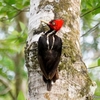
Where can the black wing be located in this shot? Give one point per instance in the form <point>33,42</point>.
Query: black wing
<point>55,59</point>
<point>41,49</point>
<point>49,58</point>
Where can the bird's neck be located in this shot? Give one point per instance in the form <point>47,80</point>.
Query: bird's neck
<point>50,32</point>
<point>50,38</point>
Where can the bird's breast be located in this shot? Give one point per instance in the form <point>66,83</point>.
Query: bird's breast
<point>50,41</point>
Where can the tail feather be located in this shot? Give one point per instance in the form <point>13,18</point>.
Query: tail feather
<point>49,85</point>
<point>48,82</point>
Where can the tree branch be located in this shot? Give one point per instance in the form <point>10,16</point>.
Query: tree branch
<point>91,29</point>
<point>12,6</point>
<point>97,96</point>
<point>89,11</point>
<point>5,91</point>
<point>17,10</point>
<point>5,82</point>
<point>93,67</point>
<point>23,10</point>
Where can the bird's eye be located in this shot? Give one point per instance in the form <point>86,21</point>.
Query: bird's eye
<point>53,23</point>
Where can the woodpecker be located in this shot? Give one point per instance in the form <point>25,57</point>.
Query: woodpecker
<point>49,52</point>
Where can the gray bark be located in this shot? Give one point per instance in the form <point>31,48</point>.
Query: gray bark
<point>74,82</point>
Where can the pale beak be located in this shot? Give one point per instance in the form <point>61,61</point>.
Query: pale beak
<point>45,22</point>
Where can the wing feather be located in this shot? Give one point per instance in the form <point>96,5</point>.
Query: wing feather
<point>49,59</point>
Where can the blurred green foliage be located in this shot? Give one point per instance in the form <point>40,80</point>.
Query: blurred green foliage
<point>9,9</point>
<point>90,12</point>
<point>10,46</point>
<point>12,43</point>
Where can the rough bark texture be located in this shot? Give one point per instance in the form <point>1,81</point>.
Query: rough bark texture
<point>74,82</point>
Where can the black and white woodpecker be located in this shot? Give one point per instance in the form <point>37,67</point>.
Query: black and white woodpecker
<point>49,52</point>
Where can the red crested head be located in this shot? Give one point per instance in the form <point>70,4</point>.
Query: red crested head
<point>56,24</point>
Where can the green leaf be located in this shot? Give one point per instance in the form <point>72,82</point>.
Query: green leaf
<point>11,14</point>
<point>99,62</point>
<point>97,92</point>
<point>20,96</point>
<point>25,2</point>
<point>7,62</point>
<point>3,10</point>
<point>22,26</point>
<point>10,1</point>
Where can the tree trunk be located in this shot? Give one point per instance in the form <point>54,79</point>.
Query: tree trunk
<point>74,82</point>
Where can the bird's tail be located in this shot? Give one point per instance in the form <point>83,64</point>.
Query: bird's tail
<point>49,85</point>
